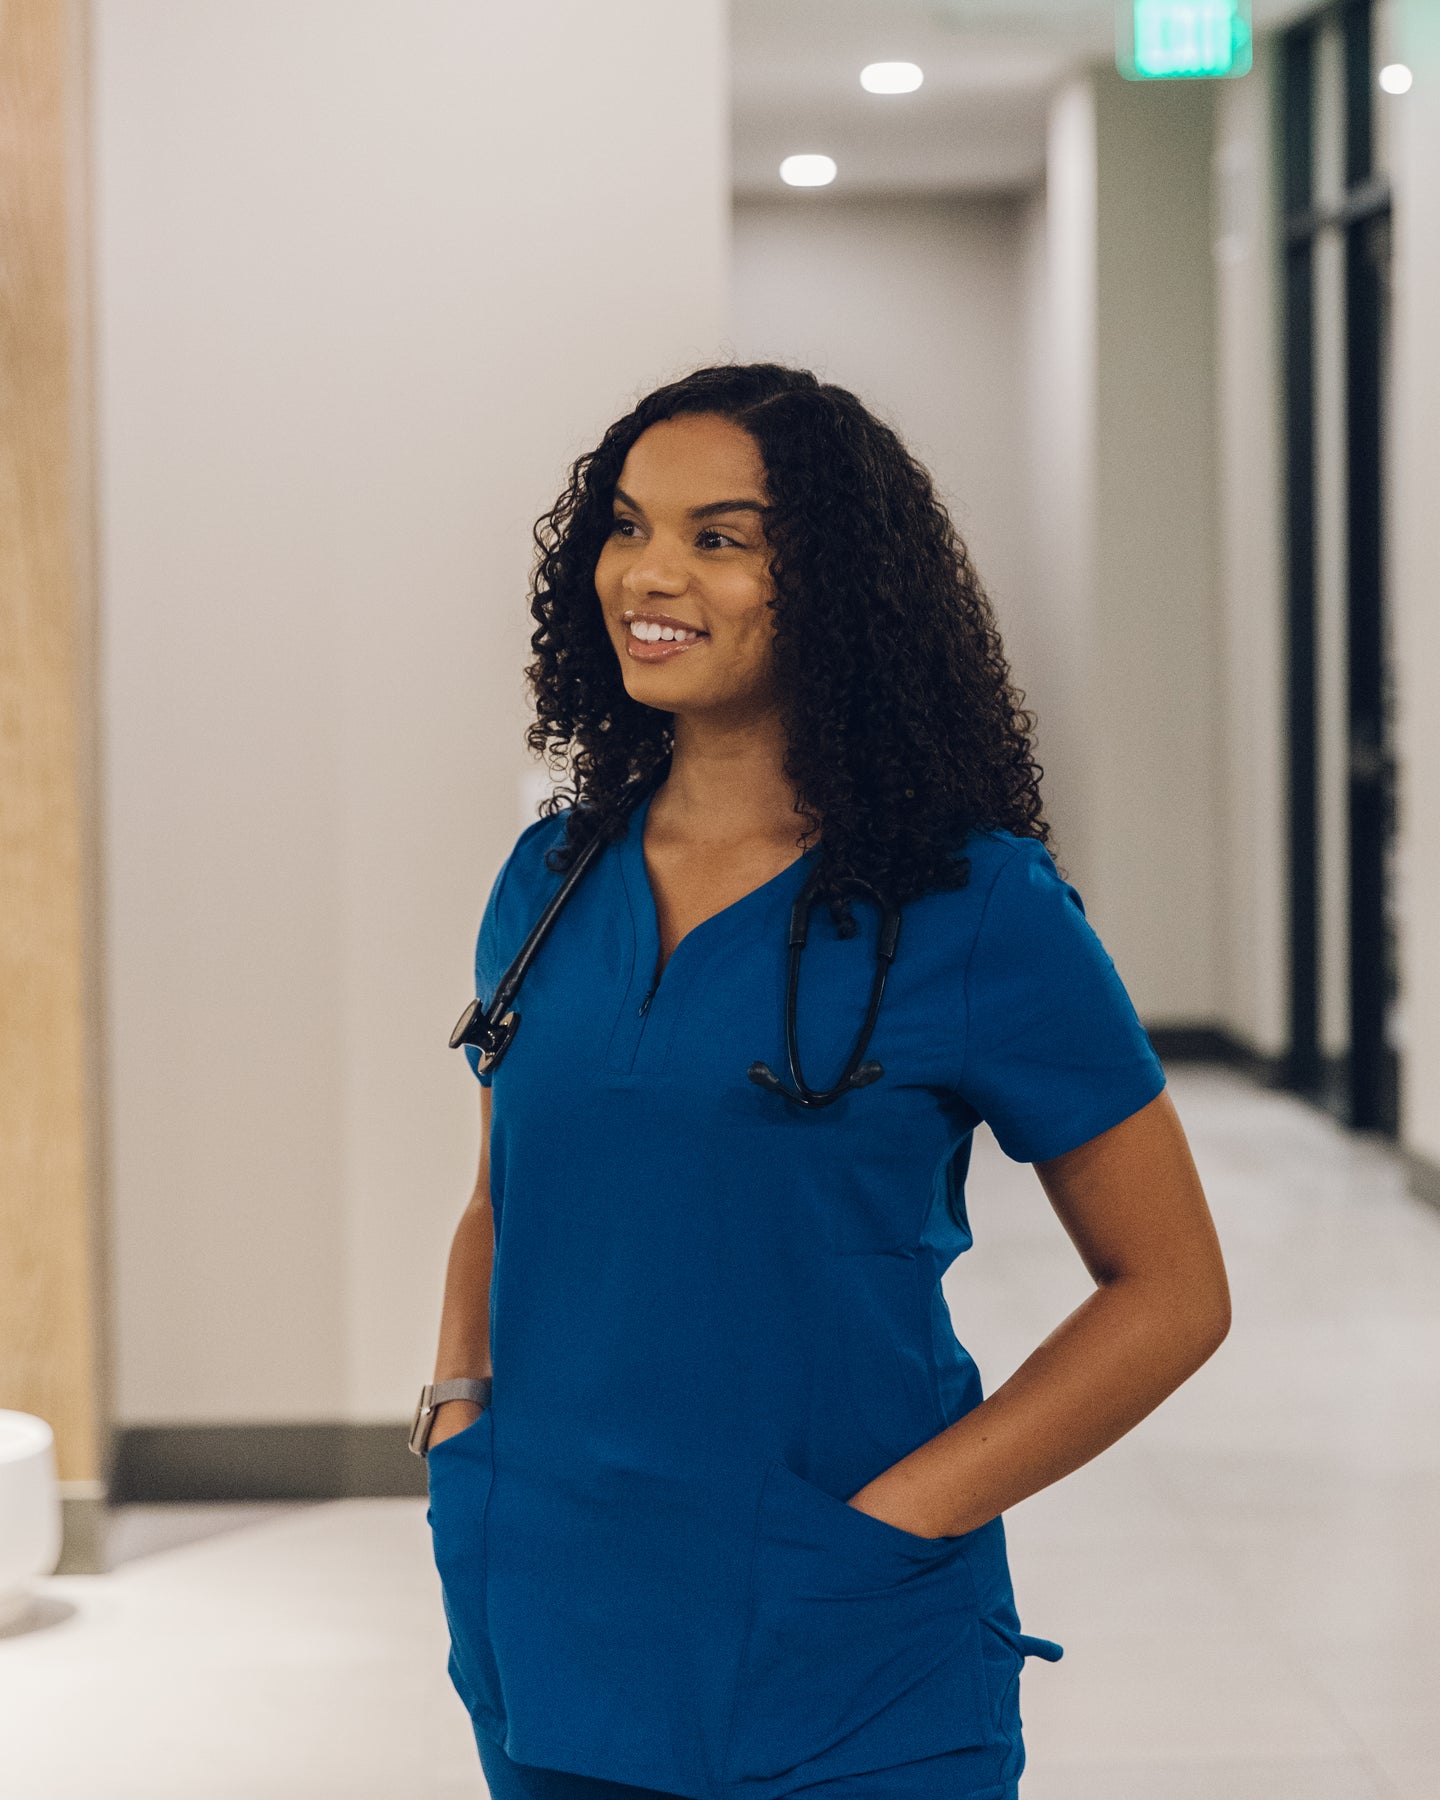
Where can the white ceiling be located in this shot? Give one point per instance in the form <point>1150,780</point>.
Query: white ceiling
<point>976,124</point>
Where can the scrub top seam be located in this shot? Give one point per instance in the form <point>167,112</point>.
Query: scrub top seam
<point>613,1061</point>
<point>485,1554</point>
<point>969,959</point>
<point>743,1650</point>
<point>501,879</point>
<point>927,1278</point>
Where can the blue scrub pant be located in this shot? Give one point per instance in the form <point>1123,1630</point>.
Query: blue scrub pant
<point>959,1775</point>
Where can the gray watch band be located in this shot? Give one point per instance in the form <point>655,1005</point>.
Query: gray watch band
<point>436,1393</point>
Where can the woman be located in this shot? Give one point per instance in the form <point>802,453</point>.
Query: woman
<point>730,1524</point>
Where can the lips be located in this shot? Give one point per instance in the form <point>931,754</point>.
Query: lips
<point>657,636</point>
<point>661,650</point>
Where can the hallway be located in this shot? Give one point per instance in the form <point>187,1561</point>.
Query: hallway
<point>1281,1504</point>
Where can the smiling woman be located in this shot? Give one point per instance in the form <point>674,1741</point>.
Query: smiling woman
<point>730,1526</point>
<point>664,545</point>
<point>777,515</point>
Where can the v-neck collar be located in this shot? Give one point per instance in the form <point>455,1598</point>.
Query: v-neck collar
<point>641,896</point>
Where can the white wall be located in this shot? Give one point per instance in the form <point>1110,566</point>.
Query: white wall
<point>912,304</point>
<point>1414,552</point>
<point>1121,452</point>
<point>1156,821</point>
<point>1254,960</point>
<point>368,275</point>
<point>1058,311</point>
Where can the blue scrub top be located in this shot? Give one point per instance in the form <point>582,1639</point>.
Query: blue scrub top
<point>715,1315</point>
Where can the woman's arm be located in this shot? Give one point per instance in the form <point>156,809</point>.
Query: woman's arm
<point>465,1314</point>
<point>1132,1204</point>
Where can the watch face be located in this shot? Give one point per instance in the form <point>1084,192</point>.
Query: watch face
<point>420,1424</point>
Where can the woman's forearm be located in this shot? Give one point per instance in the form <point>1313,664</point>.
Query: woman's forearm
<point>1102,1369</point>
<point>464,1347</point>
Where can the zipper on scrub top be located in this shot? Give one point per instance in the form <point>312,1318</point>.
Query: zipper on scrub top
<point>641,1010</point>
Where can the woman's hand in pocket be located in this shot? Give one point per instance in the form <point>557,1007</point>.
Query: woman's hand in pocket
<point>451,1418</point>
<point>895,1498</point>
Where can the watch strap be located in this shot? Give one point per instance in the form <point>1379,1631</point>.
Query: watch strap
<point>436,1393</point>
<point>462,1387</point>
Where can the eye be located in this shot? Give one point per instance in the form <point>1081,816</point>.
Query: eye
<point>721,540</point>
<point>622,527</point>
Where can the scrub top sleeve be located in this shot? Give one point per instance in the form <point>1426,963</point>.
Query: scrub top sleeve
<point>500,935</point>
<point>1054,1051</point>
<point>489,964</point>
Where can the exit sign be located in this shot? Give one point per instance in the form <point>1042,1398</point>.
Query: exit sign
<point>1167,40</point>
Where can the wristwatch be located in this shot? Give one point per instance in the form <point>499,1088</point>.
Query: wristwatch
<point>436,1393</point>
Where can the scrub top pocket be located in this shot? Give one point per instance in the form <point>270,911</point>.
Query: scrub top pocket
<point>863,1650</point>
<point>459,1470</point>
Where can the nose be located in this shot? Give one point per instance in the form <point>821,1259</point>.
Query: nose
<point>659,569</point>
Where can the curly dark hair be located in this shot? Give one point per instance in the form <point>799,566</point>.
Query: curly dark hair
<point>902,737</point>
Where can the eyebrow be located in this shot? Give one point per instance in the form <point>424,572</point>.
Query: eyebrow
<point>699,512</point>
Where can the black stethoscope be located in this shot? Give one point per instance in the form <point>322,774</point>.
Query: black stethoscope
<point>491,1027</point>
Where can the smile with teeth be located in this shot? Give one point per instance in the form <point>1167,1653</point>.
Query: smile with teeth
<point>650,633</point>
<point>655,640</point>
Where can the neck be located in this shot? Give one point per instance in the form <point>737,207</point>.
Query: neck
<point>726,785</point>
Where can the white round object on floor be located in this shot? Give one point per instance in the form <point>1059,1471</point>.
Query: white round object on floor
<point>29,1508</point>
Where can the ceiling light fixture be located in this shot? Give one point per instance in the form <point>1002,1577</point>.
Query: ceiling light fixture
<point>808,171</point>
<point>891,77</point>
<point>1395,78</point>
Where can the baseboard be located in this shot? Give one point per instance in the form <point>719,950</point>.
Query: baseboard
<point>321,1461</point>
<point>1211,1044</point>
<point>82,1528</point>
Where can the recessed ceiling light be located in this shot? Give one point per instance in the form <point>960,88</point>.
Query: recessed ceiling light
<point>808,171</point>
<point>891,78</point>
<point>1395,78</point>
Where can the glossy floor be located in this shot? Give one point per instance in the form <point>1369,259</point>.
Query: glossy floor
<point>1247,1587</point>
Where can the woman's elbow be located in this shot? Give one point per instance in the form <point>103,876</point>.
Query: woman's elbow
<point>1187,1312</point>
<point>1207,1314</point>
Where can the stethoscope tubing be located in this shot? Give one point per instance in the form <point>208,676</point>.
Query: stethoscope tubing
<point>491,1025</point>
<point>857,1072</point>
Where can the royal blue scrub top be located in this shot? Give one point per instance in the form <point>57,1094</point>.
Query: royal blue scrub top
<point>715,1315</point>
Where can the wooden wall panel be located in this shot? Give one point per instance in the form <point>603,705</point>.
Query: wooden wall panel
<point>48,1013</point>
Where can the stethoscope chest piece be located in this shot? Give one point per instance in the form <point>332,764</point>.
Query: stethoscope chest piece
<point>492,1041</point>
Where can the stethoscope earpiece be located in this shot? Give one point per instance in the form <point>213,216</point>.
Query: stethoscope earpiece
<point>764,1076</point>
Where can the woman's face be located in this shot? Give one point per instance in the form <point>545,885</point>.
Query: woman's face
<point>687,555</point>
